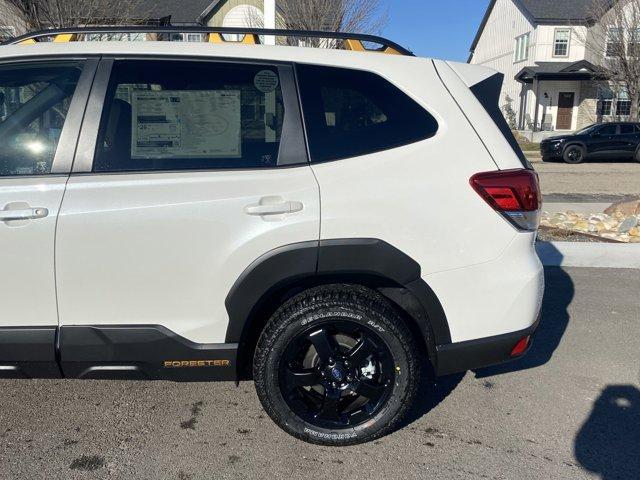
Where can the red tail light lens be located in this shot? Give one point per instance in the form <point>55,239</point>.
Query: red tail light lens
<point>513,193</point>
<point>510,190</point>
<point>521,346</point>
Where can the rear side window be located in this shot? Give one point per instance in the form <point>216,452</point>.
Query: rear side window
<point>34,102</point>
<point>628,129</point>
<point>175,115</point>
<point>350,113</point>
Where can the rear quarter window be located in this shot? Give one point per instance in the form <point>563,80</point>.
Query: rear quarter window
<point>349,113</point>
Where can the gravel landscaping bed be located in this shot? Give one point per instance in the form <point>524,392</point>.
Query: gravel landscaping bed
<point>618,223</point>
<point>551,234</point>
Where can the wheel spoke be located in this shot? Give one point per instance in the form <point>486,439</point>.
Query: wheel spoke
<point>329,410</point>
<point>302,378</point>
<point>361,351</point>
<point>324,344</point>
<point>368,390</point>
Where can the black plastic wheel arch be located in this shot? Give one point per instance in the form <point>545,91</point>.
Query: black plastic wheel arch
<point>396,275</point>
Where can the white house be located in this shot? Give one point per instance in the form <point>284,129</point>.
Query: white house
<point>539,45</point>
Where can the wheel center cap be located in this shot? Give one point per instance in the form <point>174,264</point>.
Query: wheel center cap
<point>337,373</point>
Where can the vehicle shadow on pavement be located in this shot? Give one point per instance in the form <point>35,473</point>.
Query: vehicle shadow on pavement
<point>608,443</point>
<point>431,392</point>
<point>558,295</point>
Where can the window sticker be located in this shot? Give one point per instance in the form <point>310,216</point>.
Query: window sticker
<point>266,81</point>
<point>186,124</point>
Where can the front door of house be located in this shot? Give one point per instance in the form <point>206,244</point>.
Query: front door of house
<point>565,110</point>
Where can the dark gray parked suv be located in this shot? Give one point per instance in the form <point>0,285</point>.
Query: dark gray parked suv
<point>616,141</point>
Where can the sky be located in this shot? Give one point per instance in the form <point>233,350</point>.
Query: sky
<point>435,28</point>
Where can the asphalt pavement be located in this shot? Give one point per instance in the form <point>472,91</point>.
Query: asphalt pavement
<point>594,180</point>
<point>569,410</point>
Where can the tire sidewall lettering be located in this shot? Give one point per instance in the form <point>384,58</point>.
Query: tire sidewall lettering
<point>323,316</point>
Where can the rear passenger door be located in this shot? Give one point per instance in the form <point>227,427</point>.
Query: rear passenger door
<point>627,140</point>
<point>191,171</point>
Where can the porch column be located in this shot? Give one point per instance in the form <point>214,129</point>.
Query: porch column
<point>536,86</point>
<point>522,113</point>
<point>270,20</point>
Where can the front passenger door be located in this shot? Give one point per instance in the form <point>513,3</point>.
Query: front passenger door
<point>199,169</point>
<point>41,107</point>
<point>603,141</point>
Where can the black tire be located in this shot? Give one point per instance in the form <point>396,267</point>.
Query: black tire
<point>573,154</point>
<point>347,322</point>
<point>636,157</point>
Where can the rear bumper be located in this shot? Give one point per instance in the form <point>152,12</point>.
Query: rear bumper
<point>484,352</point>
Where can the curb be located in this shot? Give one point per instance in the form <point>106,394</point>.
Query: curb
<point>595,255</point>
<point>586,208</point>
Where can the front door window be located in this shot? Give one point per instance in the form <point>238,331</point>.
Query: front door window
<point>34,101</point>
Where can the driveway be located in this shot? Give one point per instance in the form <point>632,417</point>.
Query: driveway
<point>569,410</point>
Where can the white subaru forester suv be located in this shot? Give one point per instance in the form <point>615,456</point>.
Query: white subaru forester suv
<point>320,220</point>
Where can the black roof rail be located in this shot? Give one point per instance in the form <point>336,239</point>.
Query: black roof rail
<point>352,41</point>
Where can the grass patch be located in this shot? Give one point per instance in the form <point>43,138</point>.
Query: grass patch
<point>525,144</point>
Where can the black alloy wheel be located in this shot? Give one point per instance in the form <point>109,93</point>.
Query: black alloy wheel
<point>337,374</point>
<point>574,154</point>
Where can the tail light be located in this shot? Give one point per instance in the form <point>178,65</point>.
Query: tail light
<point>515,194</point>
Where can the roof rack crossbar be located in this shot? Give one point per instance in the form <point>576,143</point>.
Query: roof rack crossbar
<point>351,41</point>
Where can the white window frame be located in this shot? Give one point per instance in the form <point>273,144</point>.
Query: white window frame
<point>522,43</point>
<point>561,42</point>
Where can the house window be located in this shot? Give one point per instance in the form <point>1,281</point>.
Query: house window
<point>623,108</point>
<point>522,47</point>
<point>561,42</point>
<point>186,37</point>
<point>615,45</point>
<point>634,44</point>
<point>6,33</point>
<point>605,102</point>
<point>604,107</point>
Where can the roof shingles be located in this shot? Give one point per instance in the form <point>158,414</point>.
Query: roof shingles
<point>542,10</point>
